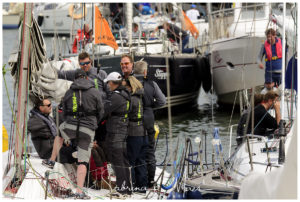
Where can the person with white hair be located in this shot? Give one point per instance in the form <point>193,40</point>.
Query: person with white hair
<point>153,98</point>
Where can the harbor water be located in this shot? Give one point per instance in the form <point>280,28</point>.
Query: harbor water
<point>191,123</point>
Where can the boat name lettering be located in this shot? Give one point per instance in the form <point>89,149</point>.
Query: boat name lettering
<point>160,74</point>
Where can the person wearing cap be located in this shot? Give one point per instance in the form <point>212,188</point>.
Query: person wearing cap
<point>272,50</point>
<point>262,119</point>
<point>137,140</point>
<point>145,9</point>
<point>153,98</point>
<point>94,75</point>
<point>193,13</point>
<point>173,19</point>
<point>117,109</point>
<point>269,85</point>
<point>83,110</point>
<point>173,34</point>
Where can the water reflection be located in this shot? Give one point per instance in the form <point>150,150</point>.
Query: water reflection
<point>195,123</point>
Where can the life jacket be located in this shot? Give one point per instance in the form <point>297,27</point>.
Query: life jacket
<point>80,37</point>
<point>78,111</point>
<point>269,50</point>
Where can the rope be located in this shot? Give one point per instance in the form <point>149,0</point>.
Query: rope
<point>14,117</point>
<point>12,114</point>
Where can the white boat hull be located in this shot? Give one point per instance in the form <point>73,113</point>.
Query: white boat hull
<point>65,177</point>
<point>10,21</point>
<point>234,65</point>
<point>59,21</point>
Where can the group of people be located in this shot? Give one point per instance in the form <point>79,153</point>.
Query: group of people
<point>269,96</point>
<point>113,112</point>
<point>122,107</point>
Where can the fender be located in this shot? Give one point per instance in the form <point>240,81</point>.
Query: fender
<point>76,16</point>
<point>206,75</point>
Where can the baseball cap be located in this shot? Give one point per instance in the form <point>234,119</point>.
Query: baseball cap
<point>113,76</point>
<point>193,6</point>
<point>268,80</point>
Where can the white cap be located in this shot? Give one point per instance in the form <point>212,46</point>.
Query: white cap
<point>113,76</point>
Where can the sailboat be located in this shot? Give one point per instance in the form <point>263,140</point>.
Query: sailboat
<point>11,13</point>
<point>238,34</point>
<point>188,71</point>
<point>262,167</point>
<point>24,175</point>
<point>63,18</point>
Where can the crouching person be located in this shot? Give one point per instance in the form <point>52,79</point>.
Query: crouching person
<point>42,128</point>
<point>83,109</point>
<point>117,108</point>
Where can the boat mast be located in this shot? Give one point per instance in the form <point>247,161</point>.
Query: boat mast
<point>129,24</point>
<point>283,61</point>
<point>23,87</point>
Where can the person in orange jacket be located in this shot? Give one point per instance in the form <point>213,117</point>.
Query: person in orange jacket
<point>82,36</point>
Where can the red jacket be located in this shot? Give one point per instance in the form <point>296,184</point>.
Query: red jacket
<point>80,39</point>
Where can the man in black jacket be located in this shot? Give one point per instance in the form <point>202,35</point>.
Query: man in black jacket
<point>42,128</point>
<point>153,98</point>
<point>262,119</point>
<point>117,108</point>
<point>83,110</point>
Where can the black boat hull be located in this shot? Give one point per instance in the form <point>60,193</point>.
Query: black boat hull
<point>186,74</point>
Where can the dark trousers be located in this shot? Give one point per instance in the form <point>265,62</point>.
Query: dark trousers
<point>185,42</point>
<point>150,154</point>
<point>120,164</point>
<point>136,148</point>
<point>274,77</point>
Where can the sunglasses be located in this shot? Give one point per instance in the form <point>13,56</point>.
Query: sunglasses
<point>48,105</point>
<point>84,63</point>
<point>125,63</point>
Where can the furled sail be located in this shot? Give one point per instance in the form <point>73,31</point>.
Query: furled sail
<point>43,80</point>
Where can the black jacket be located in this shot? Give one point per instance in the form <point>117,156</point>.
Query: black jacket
<point>41,136</point>
<point>153,98</point>
<point>91,104</point>
<point>173,33</point>
<point>136,115</point>
<point>116,109</point>
<point>262,121</point>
